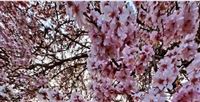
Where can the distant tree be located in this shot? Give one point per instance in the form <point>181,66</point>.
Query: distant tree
<point>41,48</point>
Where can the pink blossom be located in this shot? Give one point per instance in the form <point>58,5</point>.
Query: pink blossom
<point>76,97</point>
<point>159,80</point>
<point>76,9</point>
<point>187,94</point>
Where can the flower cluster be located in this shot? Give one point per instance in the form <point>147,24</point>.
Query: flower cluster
<point>127,47</point>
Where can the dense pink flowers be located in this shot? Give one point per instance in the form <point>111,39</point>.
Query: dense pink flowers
<point>148,56</point>
<point>122,54</point>
<point>76,97</point>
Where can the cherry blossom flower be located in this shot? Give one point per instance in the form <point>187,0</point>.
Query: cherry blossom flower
<point>187,94</point>
<point>188,48</point>
<point>76,9</point>
<point>76,97</point>
<point>154,96</point>
<point>165,64</point>
<point>110,10</point>
<point>159,80</point>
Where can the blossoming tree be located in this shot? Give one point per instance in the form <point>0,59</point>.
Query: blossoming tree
<point>147,55</point>
<point>40,46</point>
